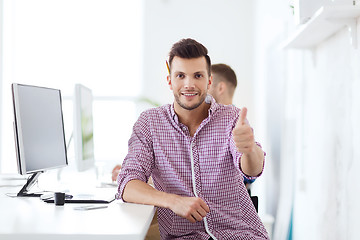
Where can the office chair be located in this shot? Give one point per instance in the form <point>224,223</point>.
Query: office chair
<point>255,200</point>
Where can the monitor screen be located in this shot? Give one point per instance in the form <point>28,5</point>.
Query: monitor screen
<point>83,128</point>
<point>38,128</point>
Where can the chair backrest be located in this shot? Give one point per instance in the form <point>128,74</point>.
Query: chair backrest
<point>255,201</point>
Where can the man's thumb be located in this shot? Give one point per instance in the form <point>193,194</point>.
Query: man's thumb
<point>242,119</point>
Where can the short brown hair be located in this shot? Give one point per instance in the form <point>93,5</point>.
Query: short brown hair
<point>189,48</point>
<point>226,73</point>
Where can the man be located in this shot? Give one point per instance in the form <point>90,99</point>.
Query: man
<point>222,89</point>
<point>196,152</point>
<point>224,83</point>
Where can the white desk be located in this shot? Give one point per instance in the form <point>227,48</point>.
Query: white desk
<point>30,218</point>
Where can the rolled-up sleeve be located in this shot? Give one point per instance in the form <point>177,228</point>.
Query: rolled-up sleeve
<point>139,161</point>
<point>237,155</point>
<point>237,158</point>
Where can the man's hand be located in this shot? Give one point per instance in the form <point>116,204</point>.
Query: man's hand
<point>252,160</point>
<point>115,172</point>
<point>192,208</point>
<point>243,134</point>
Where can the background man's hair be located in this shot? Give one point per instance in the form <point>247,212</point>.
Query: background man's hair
<point>225,73</point>
<point>189,48</point>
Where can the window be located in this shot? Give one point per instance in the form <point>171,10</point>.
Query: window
<point>57,43</point>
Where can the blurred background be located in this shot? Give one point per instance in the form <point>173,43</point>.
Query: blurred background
<point>298,73</point>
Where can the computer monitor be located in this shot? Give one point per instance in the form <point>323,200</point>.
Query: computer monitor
<point>83,128</point>
<point>39,132</point>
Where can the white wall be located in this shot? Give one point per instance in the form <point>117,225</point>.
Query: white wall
<point>269,77</point>
<point>1,70</point>
<point>327,174</point>
<point>59,43</point>
<point>319,130</point>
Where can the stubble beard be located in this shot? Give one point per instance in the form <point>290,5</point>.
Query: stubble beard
<point>192,107</point>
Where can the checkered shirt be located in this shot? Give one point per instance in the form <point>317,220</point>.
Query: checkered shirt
<point>208,163</point>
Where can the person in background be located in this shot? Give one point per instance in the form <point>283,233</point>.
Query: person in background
<point>115,172</point>
<point>197,152</point>
<point>224,83</point>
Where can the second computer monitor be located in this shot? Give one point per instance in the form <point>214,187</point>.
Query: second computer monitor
<point>83,128</point>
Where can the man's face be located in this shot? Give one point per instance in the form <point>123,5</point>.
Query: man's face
<point>189,81</point>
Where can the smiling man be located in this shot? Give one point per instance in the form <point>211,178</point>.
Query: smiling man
<point>197,153</point>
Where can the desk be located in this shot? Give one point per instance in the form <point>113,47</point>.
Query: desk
<point>32,219</point>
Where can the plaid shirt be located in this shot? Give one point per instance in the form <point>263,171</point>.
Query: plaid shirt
<point>205,165</point>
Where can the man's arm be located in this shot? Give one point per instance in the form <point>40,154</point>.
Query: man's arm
<point>252,163</point>
<point>137,167</point>
<point>191,208</point>
<point>252,159</point>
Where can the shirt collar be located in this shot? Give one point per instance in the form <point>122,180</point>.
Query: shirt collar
<point>214,105</point>
<point>209,99</point>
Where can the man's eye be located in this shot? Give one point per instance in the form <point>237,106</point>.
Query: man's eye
<point>198,75</point>
<point>180,75</point>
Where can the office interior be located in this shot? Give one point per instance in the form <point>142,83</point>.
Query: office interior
<point>297,64</point>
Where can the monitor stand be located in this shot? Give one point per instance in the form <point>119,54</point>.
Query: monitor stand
<point>29,183</point>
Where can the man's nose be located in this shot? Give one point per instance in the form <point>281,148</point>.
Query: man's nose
<point>189,83</point>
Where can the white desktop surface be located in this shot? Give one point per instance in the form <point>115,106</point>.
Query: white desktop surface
<point>30,218</point>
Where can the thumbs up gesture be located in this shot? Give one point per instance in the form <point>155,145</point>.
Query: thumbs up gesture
<point>243,134</point>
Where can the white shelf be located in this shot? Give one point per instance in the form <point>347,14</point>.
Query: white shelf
<point>326,21</point>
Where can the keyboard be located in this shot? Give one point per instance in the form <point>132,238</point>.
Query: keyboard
<point>85,198</point>
<point>82,201</point>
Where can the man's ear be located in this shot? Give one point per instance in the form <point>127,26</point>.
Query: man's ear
<point>210,81</point>
<point>169,81</point>
<point>221,86</point>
